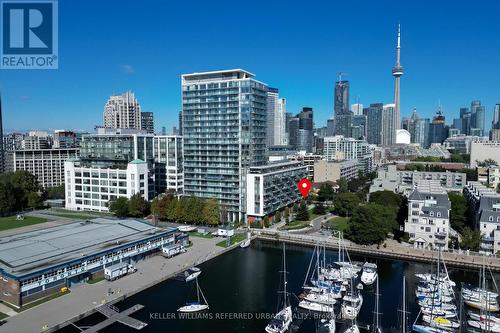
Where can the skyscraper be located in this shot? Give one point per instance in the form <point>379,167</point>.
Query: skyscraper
<point>389,119</point>
<point>397,71</point>
<point>342,114</point>
<point>147,122</point>
<point>357,109</point>
<point>438,131</point>
<point>358,128</point>
<point>419,129</point>
<point>465,117</point>
<point>122,111</point>
<point>305,130</point>
<point>477,117</point>
<point>276,110</point>
<point>496,117</point>
<point>223,139</point>
<point>374,123</point>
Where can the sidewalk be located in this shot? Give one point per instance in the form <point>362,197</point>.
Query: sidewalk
<point>85,297</point>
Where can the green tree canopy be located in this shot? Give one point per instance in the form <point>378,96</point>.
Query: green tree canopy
<point>386,198</point>
<point>371,223</point>
<point>343,186</point>
<point>325,192</point>
<point>211,212</point>
<point>137,206</point>
<point>302,212</point>
<point>119,206</point>
<point>17,191</point>
<point>319,208</point>
<point>55,192</point>
<point>459,214</point>
<point>346,203</point>
<point>471,239</point>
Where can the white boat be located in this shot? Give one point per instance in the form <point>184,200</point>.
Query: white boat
<point>315,306</point>
<point>245,243</point>
<point>429,329</point>
<point>327,326</point>
<point>432,278</point>
<point>484,326</point>
<point>352,329</point>
<point>475,291</point>
<point>334,291</point>
<point>483,305</point>
<point>186,228</point>
<point>282,320</point>
<point>197,305</point>
<point>369,274</point>
<point>479,317</point>
<point>436,304</point>
<point>439,312</point>
<point>322,298</point>
<point>436,296</point>
<point>351,305</point>
<point>192,273</point>
<point>440,322</point>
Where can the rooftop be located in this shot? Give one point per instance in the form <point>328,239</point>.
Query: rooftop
<point>28,252</point>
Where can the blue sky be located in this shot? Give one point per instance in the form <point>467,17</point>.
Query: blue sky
<point>450,52</point>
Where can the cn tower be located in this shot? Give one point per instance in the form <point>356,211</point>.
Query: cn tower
<point>397,71</point>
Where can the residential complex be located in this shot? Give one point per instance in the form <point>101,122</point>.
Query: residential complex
<point>122,111</point>
<point>485,205</point>
<point>224,132</point>
<point>340,148</point>
<point>428,222</point>
<point>332,171</point>
<point>272,187</point>
<point>276,118</point>
<point>39,263</point>
<point>404,181</point>
<point>147,122</point>
<point>168,174</point>
<point>484,150</point>
<point>47,165</point>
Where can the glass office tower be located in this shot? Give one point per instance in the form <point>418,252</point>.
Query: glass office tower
<point>224,133</point>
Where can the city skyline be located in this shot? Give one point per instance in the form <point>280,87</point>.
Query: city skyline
<point>154,74</point>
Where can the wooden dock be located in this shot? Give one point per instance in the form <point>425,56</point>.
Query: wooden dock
<point>460,260</point>
<point>114,315</point>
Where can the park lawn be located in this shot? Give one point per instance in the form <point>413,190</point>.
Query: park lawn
<point>338,223</point>
<point>235,239</point>
<point>10,222</point>
<point>199,234</point>
<point>73,216</point>
<point>3,315</point>
<point>295,225</point>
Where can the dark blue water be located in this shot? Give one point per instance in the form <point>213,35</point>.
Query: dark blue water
<point>241,289</point>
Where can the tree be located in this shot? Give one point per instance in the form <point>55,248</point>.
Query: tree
<point>34,200</point>
<point>211,212</point>
<point>346,203</point>
<point>471,239</point>
<point>459,212</point>
<point>119,206</point>
<point>137,206</point>
<point>342,184</point>
<point>277,217</point>
<point>287,214</point>
<point>319,208</point>
<point>302,212</point>
<point>386,198</point>
<point>266,222</point>
<point>371,223</point>
<point>325,192</point>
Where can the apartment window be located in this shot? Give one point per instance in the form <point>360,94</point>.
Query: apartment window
<point>438,214</point>
<point>431,213</point>
<point>490,218</point>
<point>427,229</point>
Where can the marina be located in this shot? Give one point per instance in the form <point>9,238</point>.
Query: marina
<point>242,286</point>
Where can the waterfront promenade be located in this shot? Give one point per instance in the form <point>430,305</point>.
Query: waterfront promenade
<point>392,250</point>
<point>84,298</point>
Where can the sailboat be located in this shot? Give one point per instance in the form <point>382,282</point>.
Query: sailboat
<point>376,314</point>
<point>282,320</point>
<point>247,241</point>
<point>197,305</point>
<point>369,274</point>
<point>404,313</point>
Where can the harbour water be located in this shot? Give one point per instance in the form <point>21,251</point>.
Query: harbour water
<point>241,288</point>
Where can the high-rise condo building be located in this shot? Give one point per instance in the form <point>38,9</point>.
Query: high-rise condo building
<point>357,109</point>
<point>122,111</point>
<point>276,118</point>
<point>389,124</point>
<point>495,124</point>
<point>342,114</point>
<point>419,129</point>
<point>477,118</point>
<point>224,133</point>
<point>438,131</point>
<point>2,151</point>
<point>169,174</point>
<point>306,130</point>
<point>339,148</point>
<point>397,72</point>
<point>358,126</point>
<point>147,122</point>
<point>374,123</point>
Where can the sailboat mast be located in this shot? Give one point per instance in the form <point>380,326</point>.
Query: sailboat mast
<point>404,303</point>
<point>284,276</point>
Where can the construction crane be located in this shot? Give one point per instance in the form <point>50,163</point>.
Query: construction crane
<point>340,75</point>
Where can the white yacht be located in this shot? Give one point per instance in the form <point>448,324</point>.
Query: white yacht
<point>282,320</point>
<point>197,305</point>
<point>369,274</point>
<point>351,306</point>
<point>192,273</point>
<point>315,306</point>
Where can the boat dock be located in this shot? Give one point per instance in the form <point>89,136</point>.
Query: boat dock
<point>114,315</point>
<point>454,259</point>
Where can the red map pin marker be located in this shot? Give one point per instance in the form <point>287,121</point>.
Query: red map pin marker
<point>304,187</point>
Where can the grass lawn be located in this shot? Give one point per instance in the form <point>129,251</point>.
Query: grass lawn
<point>338,223</point>
<point>72,216</point>
<point>10,222</point>
<point>99,279</point>
<point>199,234</point>
<point>235,239</point>
<point>68,211</point>
<point>3,315</point>
<point>295,225</point>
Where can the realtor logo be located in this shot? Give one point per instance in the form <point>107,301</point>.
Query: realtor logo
<point>29,34</point>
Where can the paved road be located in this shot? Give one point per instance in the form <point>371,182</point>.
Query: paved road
<point>85,297</point>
